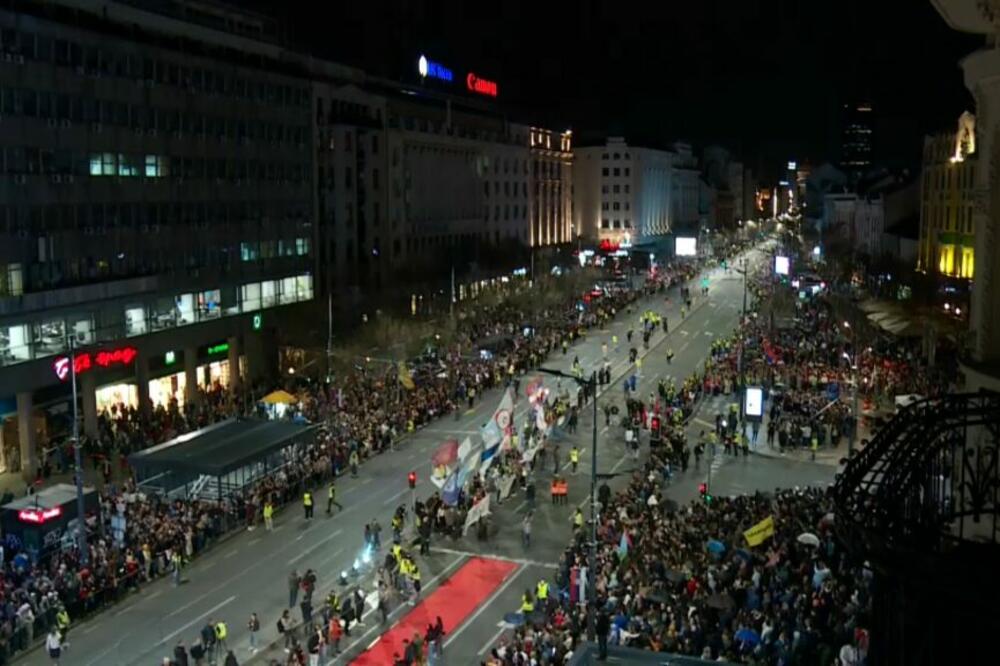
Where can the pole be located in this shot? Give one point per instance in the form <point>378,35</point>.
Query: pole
<point>452,309</point>
<point>81,527</point>
<point>329,336</point>
<point>592,607</point>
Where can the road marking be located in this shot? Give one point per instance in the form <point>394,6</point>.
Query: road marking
<point>515,560</point>
<point>382,628</point>
<point>232,552</point>
<point>195,621</point>
<point>253,541</point>
<point>483,606</point>
<point>395,497</point>
<point>701,421</point>
<point>313,547</point>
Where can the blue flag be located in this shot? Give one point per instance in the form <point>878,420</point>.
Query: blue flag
<point>451,490</point>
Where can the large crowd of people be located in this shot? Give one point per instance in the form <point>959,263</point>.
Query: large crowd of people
<point>360,417</point>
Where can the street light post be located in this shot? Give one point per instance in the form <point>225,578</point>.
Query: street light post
<point>592,554</point>
<point>81,527</point>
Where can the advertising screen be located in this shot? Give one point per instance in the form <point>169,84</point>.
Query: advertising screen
<point>754,402</point>
<point>686,246</point>
<point>781,265</point>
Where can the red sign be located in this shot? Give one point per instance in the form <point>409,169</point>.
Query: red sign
<point>84,362</point>
<point>39,516</point>
<point>481,86</point>
<point>607,245</point>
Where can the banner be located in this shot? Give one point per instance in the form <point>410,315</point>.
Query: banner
<point>439,475</point>
<point>405,378</point>
<point>481,509</point>
<point>540,421</point>
<point>451,490</point>
<point>529,454</point>
<point>503,418</point>
<point>760,532</point>
<point>464,449</point>
<point>486,459</point>
<point>505,484</point>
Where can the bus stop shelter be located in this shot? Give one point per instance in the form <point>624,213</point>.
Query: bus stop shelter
<point>218,460</point>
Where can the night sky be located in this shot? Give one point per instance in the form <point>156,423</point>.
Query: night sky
<point>765,78</point>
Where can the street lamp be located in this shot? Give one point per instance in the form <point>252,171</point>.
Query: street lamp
<point>81,534</point>
<point>592,558</point>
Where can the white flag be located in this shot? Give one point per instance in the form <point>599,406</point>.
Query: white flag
<point>465,449</point>
<point>506,484</point>
<point>481,509</point>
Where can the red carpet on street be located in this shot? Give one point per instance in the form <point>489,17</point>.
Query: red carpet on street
<point>454,600</point>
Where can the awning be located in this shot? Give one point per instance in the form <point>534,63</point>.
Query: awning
<point>280,397</point>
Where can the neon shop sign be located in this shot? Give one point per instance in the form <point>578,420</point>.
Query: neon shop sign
<point>434,70</point>
<point>39,516</point>
<point>480,85</point>
<point>87,361</point>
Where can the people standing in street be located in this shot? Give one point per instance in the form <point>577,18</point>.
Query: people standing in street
<point>176,561</point>
<point>285,630</point>
<point>253,626</point>
<point>221,633</point>
<point>294,581</point>
<point>331,499</point>
<point>307,504</point>
<point>268,515</point>
<point>53,643</point>
<point>574,457</point>
<point>526,530</point>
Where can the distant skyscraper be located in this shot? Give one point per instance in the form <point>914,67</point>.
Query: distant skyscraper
<point>856,139</point>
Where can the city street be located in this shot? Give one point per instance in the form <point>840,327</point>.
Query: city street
<point>247,572</point>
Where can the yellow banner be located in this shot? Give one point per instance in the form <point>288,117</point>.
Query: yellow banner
<point>404,376</point>
<point>760,532</point>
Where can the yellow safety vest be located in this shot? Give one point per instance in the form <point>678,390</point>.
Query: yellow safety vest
<point>332,492</point>
<point>396,550</point>
<point>415,573</point>
<point>578,519</point>
<point>574,455</point>
<point>62,619</point>
<point>542,591</point>
<point>307,499</point>
<point>268,510</point>
<point>220,631</point>
<point>526,605</point>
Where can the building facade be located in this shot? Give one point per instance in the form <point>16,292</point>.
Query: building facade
<point>623,194</point>
<point>947,233</point>
<point>156,206</point>
<point>685,188</point>
<point>550,188</point>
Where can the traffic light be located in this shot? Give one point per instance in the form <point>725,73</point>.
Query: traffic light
<point>703,492</point>
<point>412,478</point>
<point>655,425</point>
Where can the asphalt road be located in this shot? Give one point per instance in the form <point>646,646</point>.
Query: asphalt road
<point>247,572</point>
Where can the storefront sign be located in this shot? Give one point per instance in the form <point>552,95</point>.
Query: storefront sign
<point>435,70</point>
<point>220,348</point>
<point>170,358</point>
<point>38,516</point>
<point>480,85</point>
<point>258,321</point>
<point>103,359</point>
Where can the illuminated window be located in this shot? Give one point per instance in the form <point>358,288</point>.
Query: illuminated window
<point>946,259</point>
<point>968,262</point>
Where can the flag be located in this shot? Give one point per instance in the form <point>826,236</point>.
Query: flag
<point>468,469</point>
<point>540,421</point>
<point>439,476</point>
<point>451,490</point>
<point>486,459</point>
<point>405,378</point>
<point>491,434</point>
<point>480,509</point>
<point>760,532</point>
<point>464,449</point>
<point>623,545</point>
<point>506,484</point>
<point>503,418</point>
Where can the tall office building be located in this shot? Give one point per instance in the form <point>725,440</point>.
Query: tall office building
<point>856,139</point>
<point>156,207</point>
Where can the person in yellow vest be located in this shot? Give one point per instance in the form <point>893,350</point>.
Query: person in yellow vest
<point>307,504</point>
<point>415,577</point>
<point>527,605</point>
<point>578,518</point>
<point>331,499</point>
<point>574,457</point>
<point>221,631</point>
<point>542,592</point>
<point>62,622</point>
<point>268,516</point>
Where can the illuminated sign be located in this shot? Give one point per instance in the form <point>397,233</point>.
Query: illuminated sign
<point>607,245</point>
<point>38,516</point>
<point>480,85</point>
<point>169,358</point>
<point>754,405</point>
<point>258,321</point>
<point>84,362</point>
<point>217,349</point>
<point>435,70</point>
<point>685,246</point>
<point>781,266</point>
<point>792,166</point>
